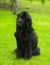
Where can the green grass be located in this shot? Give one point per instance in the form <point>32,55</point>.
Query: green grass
<point>41,24</point>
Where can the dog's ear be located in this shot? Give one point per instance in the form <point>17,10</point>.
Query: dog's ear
<point>29,22</point>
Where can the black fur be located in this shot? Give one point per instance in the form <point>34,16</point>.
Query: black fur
<point>26,37</point>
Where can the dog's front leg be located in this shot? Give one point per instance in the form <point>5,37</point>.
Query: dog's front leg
<point>28,51</point>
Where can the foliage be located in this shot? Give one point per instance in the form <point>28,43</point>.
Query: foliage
<point>30,0</point>
<point>43,2</point>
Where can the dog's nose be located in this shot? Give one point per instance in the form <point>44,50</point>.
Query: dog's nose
<point>18,21</point>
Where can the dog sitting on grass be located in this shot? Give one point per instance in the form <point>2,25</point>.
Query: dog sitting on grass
<point>26,38</point>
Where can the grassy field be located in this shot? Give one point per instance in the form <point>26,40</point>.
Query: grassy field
<point>41,24</point>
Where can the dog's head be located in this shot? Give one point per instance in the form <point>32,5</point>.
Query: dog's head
<point>23,19</point>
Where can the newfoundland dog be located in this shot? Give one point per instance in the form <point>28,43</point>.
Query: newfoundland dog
<point>26,37</point>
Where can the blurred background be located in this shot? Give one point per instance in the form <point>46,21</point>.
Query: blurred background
<point>32,5</point>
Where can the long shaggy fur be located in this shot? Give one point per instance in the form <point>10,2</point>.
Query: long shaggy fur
<point>26,37</point>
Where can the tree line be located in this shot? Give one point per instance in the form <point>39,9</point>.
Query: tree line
<point>14,4</point>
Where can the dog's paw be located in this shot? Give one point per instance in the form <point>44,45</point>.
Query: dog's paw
<point>36,51</point>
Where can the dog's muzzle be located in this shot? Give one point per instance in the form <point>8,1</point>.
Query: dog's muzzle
<point>19,22</point>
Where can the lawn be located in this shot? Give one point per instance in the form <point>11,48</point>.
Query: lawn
<point>41,24</point>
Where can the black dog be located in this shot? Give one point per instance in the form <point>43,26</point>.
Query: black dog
<point>25,36</point>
